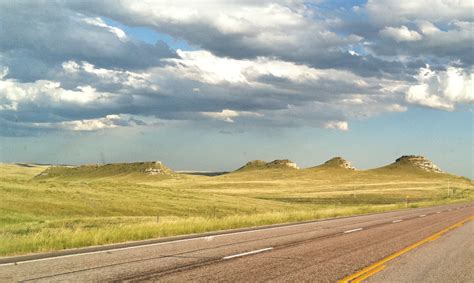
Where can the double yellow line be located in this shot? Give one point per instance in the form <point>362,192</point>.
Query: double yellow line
<point>380,265</point>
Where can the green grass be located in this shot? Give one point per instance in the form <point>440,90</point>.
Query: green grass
<point>43,214</point>
<point>116,170</point>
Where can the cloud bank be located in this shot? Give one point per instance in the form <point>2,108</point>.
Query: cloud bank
<point>79,66</point>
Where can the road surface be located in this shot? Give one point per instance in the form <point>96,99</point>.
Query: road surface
<point>321,251</point>
<point>448,259</point>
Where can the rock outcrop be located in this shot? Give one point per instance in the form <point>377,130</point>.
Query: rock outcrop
<point>275,164</point>
<point>150,168</point>
<point>339,162</point>
<point>282,163</point>
<point>419,162</point>
<point>157,168</point>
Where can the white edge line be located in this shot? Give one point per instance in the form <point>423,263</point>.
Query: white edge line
<point>438,212</point>
<point>423,215</point>
<point>396,221</point>
<point>149,245</point>
<point>153,245</point>
<point>7,264</point>
<point>99,252</point>
<point>248,253</point>
<point>353,230</point>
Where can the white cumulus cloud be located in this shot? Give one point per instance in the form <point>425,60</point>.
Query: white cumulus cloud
<point>399,11</point>
<point>90,125</point>
<point>442,89</point>
<point>338,125</point>
<point>42,92</point>
<point>401,34</point>
<point>100,23</point>
<point>211,69</point>
<point>228,115</point>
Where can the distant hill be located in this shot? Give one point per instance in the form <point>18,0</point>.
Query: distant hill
<point>257,169</point>
<point>336,162</point>
<point>151,168</point>
<point>411,163</point>
<point>275,164</point>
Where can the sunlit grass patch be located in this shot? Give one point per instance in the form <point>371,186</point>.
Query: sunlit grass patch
<point>47,215</point>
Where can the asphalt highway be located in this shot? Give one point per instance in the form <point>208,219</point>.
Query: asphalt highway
<point>448,259</point>
<point>348,249</point>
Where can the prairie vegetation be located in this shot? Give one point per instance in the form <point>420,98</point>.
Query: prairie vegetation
<point>39,214</point>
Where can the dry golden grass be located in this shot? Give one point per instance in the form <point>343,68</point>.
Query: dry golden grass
<point>38,215</point>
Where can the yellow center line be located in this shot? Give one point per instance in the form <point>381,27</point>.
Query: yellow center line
<point>435,238</point>
<point>374,268</point>
<point>368,274</point>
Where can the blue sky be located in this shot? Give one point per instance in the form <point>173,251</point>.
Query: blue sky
<point>150,36</point>
<point>211,85</point>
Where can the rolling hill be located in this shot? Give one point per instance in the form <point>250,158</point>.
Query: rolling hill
<point>262,165</point>
<point>335,163</point>
<point>136,169</point>
<point>46,209</point>
<point>411,164</point>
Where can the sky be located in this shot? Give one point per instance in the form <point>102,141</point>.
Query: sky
<point>210,85</point>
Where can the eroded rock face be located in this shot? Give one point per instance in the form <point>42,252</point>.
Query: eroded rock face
<point>420,162</point>
<point>153,171</point>
<point>282,163</point>
<point>339,162</point>
<point>156,168</point>
<point>151,168</point>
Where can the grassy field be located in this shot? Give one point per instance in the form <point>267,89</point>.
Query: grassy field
<point>46,214</point>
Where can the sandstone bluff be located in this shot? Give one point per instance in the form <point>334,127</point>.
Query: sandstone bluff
<point>420,162</point>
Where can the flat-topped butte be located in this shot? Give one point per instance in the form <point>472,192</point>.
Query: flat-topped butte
<point>149,168</point>
<point>275,164</point>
